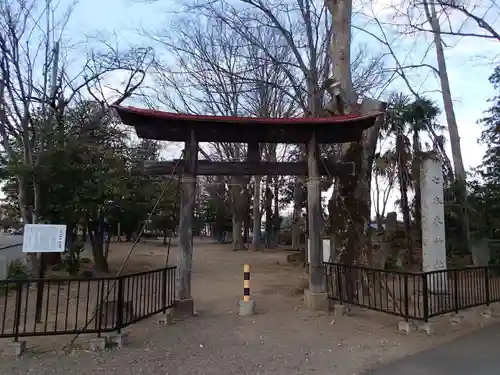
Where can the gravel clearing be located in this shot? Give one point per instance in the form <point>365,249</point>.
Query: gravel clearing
<point>283,338</point>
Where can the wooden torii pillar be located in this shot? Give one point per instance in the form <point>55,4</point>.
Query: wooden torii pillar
<point>315,297</point>
<point>185,303</point>
<point>192,129</point>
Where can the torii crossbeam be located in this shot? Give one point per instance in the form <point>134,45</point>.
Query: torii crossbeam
<point>192,129</point>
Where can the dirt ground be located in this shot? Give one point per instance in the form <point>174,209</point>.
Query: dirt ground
<point>282,338</point>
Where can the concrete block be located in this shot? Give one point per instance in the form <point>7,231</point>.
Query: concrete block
<point>119,339</point>
<point>184,308</point>
<point>316,301</point>
<point>247,308</point>
<point>405,326</point>
<point>425,327</point>
<point>339,310</point>
<point>488,312</point>
<point>166,318</point>
<point>97,344</point>
<point>456,319</point>
<point>15,348</point>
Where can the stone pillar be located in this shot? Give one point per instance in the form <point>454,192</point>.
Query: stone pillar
<point>188,197</point>
<point>315,297</point>
<point>433,230</point>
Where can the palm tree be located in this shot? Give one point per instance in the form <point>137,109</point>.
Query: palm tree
<point>405,121</point>
<point>420,116</point>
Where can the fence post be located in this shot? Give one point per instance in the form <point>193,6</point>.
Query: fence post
<point>425,292</point>
<point>100,309</point>
<point>487,284</point>
<point>164,290</point>
<point>17,313</point>
<point>119,305</point>
<point>455,286</point>
<point>339,283</point>
<point>406,297</point>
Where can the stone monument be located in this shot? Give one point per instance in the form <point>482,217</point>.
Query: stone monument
<point>433,229</point>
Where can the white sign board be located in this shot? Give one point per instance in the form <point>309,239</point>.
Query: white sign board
<point>44,238</point>
<point>326,249</point>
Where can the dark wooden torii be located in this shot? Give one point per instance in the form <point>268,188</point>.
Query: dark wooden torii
<point>192,129</point>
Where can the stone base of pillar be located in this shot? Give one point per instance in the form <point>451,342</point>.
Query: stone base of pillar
<point>316,301</point>
<point>184,308</point>
<point>119,340</point>
<point>488,312</point>
<point>407,327</point>
<point>247,308</point>
<point>425,327</point>
<point>166,318</point>
<point>97,344</point>
<point>339,310</point>
<point>15,348</point>
<point>456,319</point>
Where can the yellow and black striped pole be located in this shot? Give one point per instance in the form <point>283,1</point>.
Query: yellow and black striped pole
<point>247,305</point>
<point>246,282</point>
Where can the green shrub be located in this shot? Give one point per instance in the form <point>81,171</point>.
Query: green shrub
<point>17,271</point>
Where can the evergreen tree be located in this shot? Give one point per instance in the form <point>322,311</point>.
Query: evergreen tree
<point>486,190</point>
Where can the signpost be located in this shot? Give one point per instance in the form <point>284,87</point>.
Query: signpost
<point>43,238</point>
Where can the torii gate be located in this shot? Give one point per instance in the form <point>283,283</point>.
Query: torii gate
<point>192,129</point>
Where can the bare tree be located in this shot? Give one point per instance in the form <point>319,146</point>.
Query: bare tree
<point>456,18</point>
<point>35,82</point>
<point>305,28</point>
<point>218,72</point>
<point>423,16</point>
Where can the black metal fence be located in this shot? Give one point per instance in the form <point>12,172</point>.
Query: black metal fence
<point>413,295</point>
<point>82,305</point>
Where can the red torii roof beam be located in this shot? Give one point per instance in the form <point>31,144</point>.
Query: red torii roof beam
<point>167,126</point>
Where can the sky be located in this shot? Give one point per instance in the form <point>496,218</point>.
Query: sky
<point>468,74</point>
<point>468,71</point>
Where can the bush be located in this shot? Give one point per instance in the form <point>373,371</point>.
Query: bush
<point>17,271</point>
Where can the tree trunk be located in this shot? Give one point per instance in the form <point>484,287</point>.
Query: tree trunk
<point>461,192</point>
<point>238,242</point>
<point>256,215</point>
<point>248,217</point>
<point>238,198</point>
<point>350,212</point>
<point>403,176</point>
<point>416,184</point>
<point>27,217</point>
<point>276,214</point>
<point>85,228</point>
<point>269,213</point>
<point>298,197</point>
<point>96,234</point>
<point>352,200</point>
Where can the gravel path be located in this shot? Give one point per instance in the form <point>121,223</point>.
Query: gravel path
<point>293,342</point>
<point>227,345</point>
<point>282,338</point>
